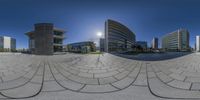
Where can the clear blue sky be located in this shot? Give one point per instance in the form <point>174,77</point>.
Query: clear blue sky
<point>82,19</point>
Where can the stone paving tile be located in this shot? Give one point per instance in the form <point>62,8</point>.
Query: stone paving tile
<point>123,83</point>
<point>36,79</point>
<point>97,71</point>
<point>151,75</point>
<point>177,76</point>
<point>107,74</point>
<point>83,80</point>
<point>192,79</point>
<point>64,72</point>
<point>107,80</point>
<point>180,84</point>
<point>68,84</point>
<point>23,91</point>
<point>141,79</point>
<point>14,83</point>
<point>51,86</point>
<point>195,86</point>
<point>165,78</point>
<point>156,69</point>
<point>98,88</point>
<point>160,89</point>
<point>74,73</point>
<point>121,75</point>
<point>134,73</point>
<point>87,75</point>
<point>178,71</point>
<point>84,70</point>
<point>191,74</point>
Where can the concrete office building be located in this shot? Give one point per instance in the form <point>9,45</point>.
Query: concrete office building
<point>118,38</point>
<point>176,41</point>
<point>197,47</point>
<point>102,44</point>
<point>81,47</point>
<point>7,43</point>
<point>45,39</point>
<point>154,43</point>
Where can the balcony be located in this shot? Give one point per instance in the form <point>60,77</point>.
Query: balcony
<point>57,44</point>
<point>59,36</point>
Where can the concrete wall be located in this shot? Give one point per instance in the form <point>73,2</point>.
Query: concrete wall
<point>7,42</point>
<point>198,43</point>
<point>43,38</point>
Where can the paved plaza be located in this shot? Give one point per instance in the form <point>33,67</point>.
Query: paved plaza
<point>100,77</point>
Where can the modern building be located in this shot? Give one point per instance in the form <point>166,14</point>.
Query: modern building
<point>102,44</point>
<point>154,43</point>
<point>197,43</point>
<point>45,39</point>
<point>176,41</point>
<point>118,38</point>
<point>7,43</point>
<point>142,44</point>
<point>81,47</point>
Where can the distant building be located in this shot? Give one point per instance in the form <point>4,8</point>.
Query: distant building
<point>118,38</point>
<point>142,44</point>
<point>7,43</point>
<point>45,39</point>
<point>102,44</point>
<point>197,43</point>
<point>154,43</point>
<point>176,41</point>
<point>81,47</point>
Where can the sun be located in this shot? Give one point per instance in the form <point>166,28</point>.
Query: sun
<point>99,34</point>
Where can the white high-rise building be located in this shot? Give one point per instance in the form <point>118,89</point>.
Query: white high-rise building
<point>7,43</point>
<point>198,43</point>
<point>176,41</point>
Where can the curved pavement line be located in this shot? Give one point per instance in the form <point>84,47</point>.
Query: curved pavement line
<point>75,74</point>
<point>9,97</point>
<point>19,78</point>
<point>165,97</point>
<point>172,80</point>
<point>171,85</point>
<point>80,76</point>
<point>79,91</point>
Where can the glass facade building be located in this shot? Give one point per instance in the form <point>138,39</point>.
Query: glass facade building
<point>143,44</point>
<point>176,41</point>
<point>118,38</point>
<point>154,43</point>
<point>81,47</point>
<point>102,44</point>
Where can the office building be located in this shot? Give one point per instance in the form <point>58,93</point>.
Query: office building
<point>7,43</point>
<point>142,44</point>
<point>154,43</point>
<point>45,39</point>
<point>176,41</point>
<point>197,43</point>
<point>118,38</point>
<point>102,44</point>
<point>81,47</point>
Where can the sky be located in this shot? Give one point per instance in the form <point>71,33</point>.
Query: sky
<point>82,19</point>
